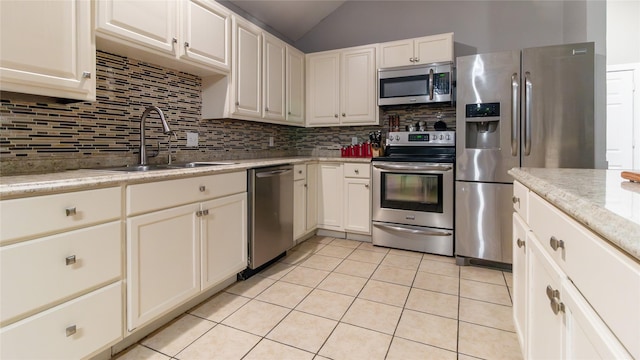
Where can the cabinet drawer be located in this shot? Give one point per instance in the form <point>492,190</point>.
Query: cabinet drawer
<point>163,194</point>
<point>521,200</point>
<point>357,170</point>
<point>608,279</point>
<point>30,217</point>
<point>299,172</point>
<point>35,273</point>
<point>97,318</point>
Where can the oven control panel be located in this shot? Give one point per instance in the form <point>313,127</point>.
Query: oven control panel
<point>422,138</point>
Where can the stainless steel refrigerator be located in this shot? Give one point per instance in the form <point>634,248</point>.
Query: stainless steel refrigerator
<point>528,108</point>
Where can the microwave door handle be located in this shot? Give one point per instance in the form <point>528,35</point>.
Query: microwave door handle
<point>430,84</point>
<point>413,231</point>
<point>528,93</point>
<point>514,114</point>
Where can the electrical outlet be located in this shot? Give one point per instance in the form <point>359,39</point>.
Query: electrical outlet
<point>270,141</point>
<point>354,140</point>
<point>192,139</point>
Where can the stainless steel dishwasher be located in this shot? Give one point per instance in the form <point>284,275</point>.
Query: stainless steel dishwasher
<point>270,213</point>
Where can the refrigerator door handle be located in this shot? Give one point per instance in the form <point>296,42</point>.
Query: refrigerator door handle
<point>430,84</point>
<point>514,114</point>
<point>527,113</point>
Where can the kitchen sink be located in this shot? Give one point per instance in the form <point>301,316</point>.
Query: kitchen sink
<point>193,164</point>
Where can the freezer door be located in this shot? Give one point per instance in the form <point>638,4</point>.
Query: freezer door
<point>487,142</point>
<point>558,106</point>
<point>483,221</point>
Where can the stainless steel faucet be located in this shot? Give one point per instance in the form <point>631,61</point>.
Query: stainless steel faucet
<point>165,127</point>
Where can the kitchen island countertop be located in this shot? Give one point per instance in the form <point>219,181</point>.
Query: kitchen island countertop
<point>601,200</point>
<point>37,184</point>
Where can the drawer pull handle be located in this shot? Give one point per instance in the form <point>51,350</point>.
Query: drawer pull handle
<point>70,211</point>
<point>70,260</point>
<point>70,330</point>
<point>203,188</point>
<point>520,243</point>
<point>555,243</point>
<point>516,200</point>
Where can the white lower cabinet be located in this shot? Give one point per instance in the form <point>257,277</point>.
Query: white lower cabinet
<point>357,198</point>
<point>224,238</point>
<point>312,197</point>
<point>557,312</point>
<point>175,253</point>
<point>74,330</point>
<point>163,262</point>
<point>330,192</point>
<point>305,202</point>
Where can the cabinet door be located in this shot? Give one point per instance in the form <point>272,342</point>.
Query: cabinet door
<point>295,86</point>
<point>520,230</point>
<point>163,262</point>
<point>544,327</point>
<point>357,201</point>
<point>312,196</point>
<point>299,208</point>
<point>273,94</point>
<point>46,48</point>
<point>246,71</point>
<point>587,336</point>
<point>358,86</point>
<point>224,238</point>
<point>436,48</point>
<point>396,53</point>
<point>330,190</point>
<point>149,23</point>
<point>323,89</point>
<point>206,36</point>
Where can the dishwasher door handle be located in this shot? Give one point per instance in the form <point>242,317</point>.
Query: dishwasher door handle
<point>272,173</point>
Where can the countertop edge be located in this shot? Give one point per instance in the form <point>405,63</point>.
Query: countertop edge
<point>612,227</point>
<point>40,184</point>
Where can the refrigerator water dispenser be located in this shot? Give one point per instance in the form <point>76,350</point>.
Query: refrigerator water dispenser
<point>482,125</point>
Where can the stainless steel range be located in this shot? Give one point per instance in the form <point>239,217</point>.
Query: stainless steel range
<point>413,186</point>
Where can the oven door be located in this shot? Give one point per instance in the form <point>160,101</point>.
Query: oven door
<point>413,193</point>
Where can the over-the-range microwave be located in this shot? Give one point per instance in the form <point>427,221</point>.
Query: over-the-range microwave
<point>416,84</point>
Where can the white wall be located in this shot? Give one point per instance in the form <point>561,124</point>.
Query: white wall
<point>623,32</point>
<point>480,26</point>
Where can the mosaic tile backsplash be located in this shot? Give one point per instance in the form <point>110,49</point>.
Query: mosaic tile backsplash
<point>44,137</point>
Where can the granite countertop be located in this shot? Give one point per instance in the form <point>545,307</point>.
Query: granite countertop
<point>27,185</point>
<point>599,199</point>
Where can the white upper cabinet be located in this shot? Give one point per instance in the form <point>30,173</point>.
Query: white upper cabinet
<point>341,87</point>
<point>46,48</point>
<point>273,82</point>
<point>423,50</point>
<point>193,35</point>
<point>205,33</point>
<point>295,86</point>
<point>246,99</point>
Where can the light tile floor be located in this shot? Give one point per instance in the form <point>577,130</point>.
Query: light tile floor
<point>340,299</point>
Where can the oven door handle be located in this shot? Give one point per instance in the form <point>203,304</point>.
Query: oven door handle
<point>413,231</point>
<point>425,167</point>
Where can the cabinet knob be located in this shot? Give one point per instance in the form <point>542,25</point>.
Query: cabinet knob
<point>520,243</point>
<point>70,260</point>
<point>416,59</point>
<point>335,115</point>
<point>202,188</point>
<point>515,199</point>
<point>343,114</point>
<point>554,300</point>
<point>305,185</point>
<point>366,186</point>
<point>556,243</point>
<point>237,103</point>
<point>174,40</point>
<point>266,109</point>
<point>70,211</point>
<point>356,171</point>
<point>86,74</point>
<point>412,59</point>
<point>289,113</point>
<point>299,171</point>
<point>70,330</point>
<point>186,44</point>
